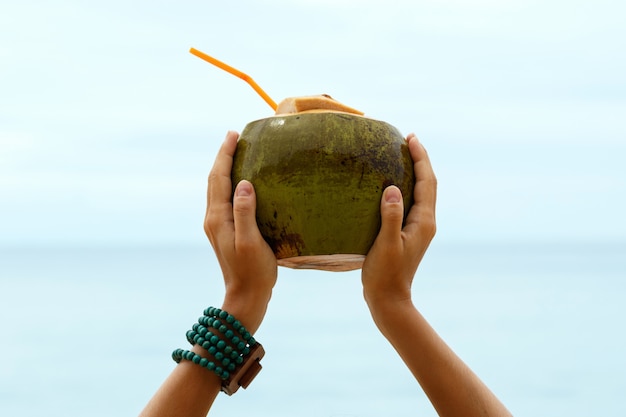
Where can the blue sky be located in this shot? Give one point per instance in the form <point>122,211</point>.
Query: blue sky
<point>108,126</point>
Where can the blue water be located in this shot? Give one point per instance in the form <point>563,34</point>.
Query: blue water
<point>88,331</point>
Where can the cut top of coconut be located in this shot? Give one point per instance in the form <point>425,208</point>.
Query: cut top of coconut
<point>322,102</point>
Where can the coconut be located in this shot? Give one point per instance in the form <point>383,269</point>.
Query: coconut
<point>319,171</point>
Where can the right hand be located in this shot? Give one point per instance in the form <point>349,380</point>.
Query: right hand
<point>391,263</point>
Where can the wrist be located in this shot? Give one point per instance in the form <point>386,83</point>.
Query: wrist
<point>247,306</point>
<point>389,312</point>
<point>383,297</point>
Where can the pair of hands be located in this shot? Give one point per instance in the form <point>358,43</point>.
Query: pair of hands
<point>249,265</point>
<point>250,271</point>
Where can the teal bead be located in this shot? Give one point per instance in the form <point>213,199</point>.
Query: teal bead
<point>225,374</point>
<point>229,334</point>
<point>225,361</point>
<point>196,359</point>
<point>217,323</point>
<point>202,331</point>
<point>228,350</point>
<point>230,319</point>
<point>222,314</point>
<point>237,325</point>
<point>232,367</point>
<point>206,345</point>
<point>235,340</point>
<point>245,351</point>
<point>246,336</point>
<point>221,345</point>
<point>189,355</point>
<point>195,326</point>
<point>239,360</point>
<point>218,370</point>
<point>204,362</point>
<point>196,337</point>
<point>219,356</point>
<point>252,341</point>
<point>200,340</point>
<point>212,350</point>
<point>223,328</point>
<point>210,366</point>
<point>214,339</point>
<point>241,346</point>
<point>234,354</point>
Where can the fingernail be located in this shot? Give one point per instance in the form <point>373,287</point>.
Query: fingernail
<point>413,137</point>
<point>393,195</point>
<point>244,189</point>
<point>231,133</point>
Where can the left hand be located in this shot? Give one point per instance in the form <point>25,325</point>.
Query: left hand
<point>248,263</point>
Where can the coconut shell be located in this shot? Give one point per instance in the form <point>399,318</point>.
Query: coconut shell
<point>319,179</point>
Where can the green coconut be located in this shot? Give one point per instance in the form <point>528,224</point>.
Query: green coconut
<point>319,179</point>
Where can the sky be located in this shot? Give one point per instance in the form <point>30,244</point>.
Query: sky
<point>109,127</point>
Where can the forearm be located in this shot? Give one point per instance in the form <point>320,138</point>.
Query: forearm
<point>453,389</point>
<point>190,389</point>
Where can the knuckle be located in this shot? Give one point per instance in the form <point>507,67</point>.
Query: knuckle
<point>246,245</point>
<point>428,228</point>
<point>243,205</point>
<point>394,217</point>
<point>213,176</point>
<point>211,224</point>
<point>243,245</point>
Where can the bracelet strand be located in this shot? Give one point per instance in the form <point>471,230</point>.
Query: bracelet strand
<point>235,353</point>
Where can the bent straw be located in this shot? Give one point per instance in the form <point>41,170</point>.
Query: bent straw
<point>236,73</point>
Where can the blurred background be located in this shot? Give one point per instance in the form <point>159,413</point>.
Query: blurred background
<point>109,127</point>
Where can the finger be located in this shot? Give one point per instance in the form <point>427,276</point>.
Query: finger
<point>422,213</point>
<point>220,187</point>
<point>247,233</point>
<point>392,213</point>
<point>219,192</point>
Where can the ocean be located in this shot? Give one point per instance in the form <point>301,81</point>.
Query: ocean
<point>88,331</point>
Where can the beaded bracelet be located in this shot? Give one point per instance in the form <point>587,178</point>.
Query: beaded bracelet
<point>217,314</point>
<point>237,342</point>
<point>236,359</point>
<point>180,354</point>
<point>222,353</point>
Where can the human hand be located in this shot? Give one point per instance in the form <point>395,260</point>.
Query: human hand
<point>390,265</point>
<point>247,262</point>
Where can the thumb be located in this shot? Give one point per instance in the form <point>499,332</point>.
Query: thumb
<point>392,214</point>
<point>244,213</point>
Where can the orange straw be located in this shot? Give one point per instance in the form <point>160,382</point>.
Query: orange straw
<point>236,73</point>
